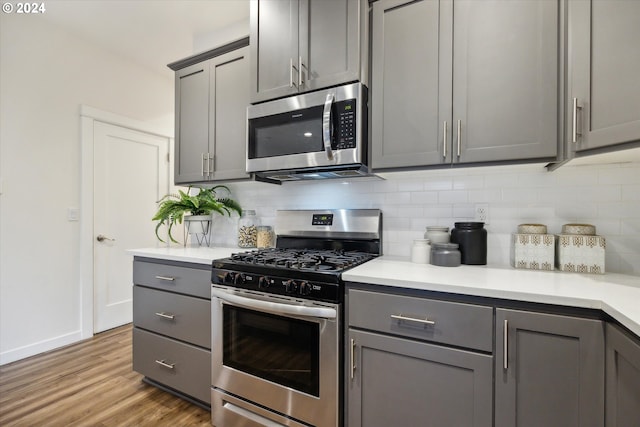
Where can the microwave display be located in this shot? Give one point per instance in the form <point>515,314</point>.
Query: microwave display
<point>300,131</point>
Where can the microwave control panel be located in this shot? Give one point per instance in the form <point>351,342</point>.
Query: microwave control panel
<point>346,124</point>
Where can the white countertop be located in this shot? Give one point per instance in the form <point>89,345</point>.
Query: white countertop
<point>616,294</point>
<point>197,255</point>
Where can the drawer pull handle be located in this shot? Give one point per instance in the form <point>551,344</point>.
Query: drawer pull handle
<point>168,279</point>
<point>166,316</point>
<point>165,364</point>
<point>402,317</point>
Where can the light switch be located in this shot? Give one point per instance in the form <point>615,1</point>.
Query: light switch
<point>73,214</point>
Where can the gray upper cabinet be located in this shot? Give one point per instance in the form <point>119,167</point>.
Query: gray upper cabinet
<point>549,370</point>
<point>464,81</point>
<point>623,379</point>
<point>304,45</point>
<point>211,103</point>
<point>604,60</point>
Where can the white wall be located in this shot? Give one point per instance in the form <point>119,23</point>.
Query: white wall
<point>45,75</point>
<point>607,196</point>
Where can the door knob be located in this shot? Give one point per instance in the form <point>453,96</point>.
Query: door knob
<point>102,238</point>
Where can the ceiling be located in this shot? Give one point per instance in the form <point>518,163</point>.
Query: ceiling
<point>152,33</point>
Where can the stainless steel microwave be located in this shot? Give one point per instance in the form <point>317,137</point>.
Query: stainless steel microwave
<point>314,135</point>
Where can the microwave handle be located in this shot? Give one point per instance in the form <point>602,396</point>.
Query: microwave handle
<point>326,126</point>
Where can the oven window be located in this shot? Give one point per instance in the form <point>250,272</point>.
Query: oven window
<point>275,348</point>
<point>287,133</point>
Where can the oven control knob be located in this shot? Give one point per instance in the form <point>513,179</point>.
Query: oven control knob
<point>239,279</point>
<point>305,288</point>
<point>227,277</point>
<point>263,282</point>
<point>290,286</point>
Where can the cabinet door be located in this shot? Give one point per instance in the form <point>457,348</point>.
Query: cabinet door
<point>623,379</point>
<point>411,83</point>
<point>549,370</point>
<point>604,60</point>
<point>329,42</point>
<point>505,80</point>
<point>400,382</point>
<point>192,122</point>
<point>229,74</point>
<point>274,48</point>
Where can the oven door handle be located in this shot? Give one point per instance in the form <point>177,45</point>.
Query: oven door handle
<point>274,307</point>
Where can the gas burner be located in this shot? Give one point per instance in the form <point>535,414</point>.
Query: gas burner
<point>303,259</point>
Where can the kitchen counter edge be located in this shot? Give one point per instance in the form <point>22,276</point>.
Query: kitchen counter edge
<point>617,295</point>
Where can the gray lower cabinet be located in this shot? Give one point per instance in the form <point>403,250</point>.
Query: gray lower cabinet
<point>400,374</point>
<point>549,370</point>
<point>304,45</point>
<point>604,60</point>
<point>464,81</point>
<point>623,378</point>
<point>211,102</point>
<point>172,326</point>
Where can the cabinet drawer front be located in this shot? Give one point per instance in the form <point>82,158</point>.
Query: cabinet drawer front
<point>177,365</point>
<point>464,325</point>
<point>190,281</point>
<point>178,316</point>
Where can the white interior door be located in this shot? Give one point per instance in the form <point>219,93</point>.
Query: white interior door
<point>131,173</point>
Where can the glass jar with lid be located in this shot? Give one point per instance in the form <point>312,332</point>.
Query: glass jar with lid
<point>264,237</point>
<point>248,229</point>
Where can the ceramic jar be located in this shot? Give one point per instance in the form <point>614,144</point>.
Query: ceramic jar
<point>445,254</point>
<point>421,251</point>
<point>472,238</point>
<point>437,234</point>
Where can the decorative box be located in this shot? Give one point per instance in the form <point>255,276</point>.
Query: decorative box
<point>580,253</point>
<point>533,251</point>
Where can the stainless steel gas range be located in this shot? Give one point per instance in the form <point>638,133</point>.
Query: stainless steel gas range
<point>277,334</point>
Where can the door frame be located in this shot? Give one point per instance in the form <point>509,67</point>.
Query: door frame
<point>88,117</point>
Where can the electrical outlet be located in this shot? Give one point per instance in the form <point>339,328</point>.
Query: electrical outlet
<point>482,213</point>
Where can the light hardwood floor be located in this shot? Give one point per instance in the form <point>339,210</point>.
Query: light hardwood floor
<point>89,384</point>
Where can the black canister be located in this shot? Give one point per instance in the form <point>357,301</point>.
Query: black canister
<point>472,238</point>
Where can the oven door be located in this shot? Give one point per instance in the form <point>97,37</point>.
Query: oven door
<point>274,352</point>
<point>317,129</point>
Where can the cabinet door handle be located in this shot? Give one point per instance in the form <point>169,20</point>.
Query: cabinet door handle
<point>505,342</point>
<point>165,364</point>
<point>210,165</point>
<point>574,121</point>
<point>166,278</point>
<point>291,68</point>
<point>402,317</point>
<point>166,316</point>
<point>352,358</point>
<point>444,140</point>
<point>204,159</point>
<point>300,79</point>
<point>459,135</point>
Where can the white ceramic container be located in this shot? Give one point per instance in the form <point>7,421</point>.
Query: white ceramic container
<point>580,254</point>
<point>533,251</point>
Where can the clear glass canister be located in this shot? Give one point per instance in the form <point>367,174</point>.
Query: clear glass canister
<point>248,229</point>
<point>265,237</point>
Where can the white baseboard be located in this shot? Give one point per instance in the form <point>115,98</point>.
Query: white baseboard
<point>39,347</point>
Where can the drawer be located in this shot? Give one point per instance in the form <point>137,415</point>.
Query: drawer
<point>180,366</point>
<point>185,280</point>
<point>458,324</point>
<point>178,316</point>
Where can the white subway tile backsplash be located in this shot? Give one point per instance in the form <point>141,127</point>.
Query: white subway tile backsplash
<point>607,196</point>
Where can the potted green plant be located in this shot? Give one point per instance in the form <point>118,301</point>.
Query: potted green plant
<point>173,208</point>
